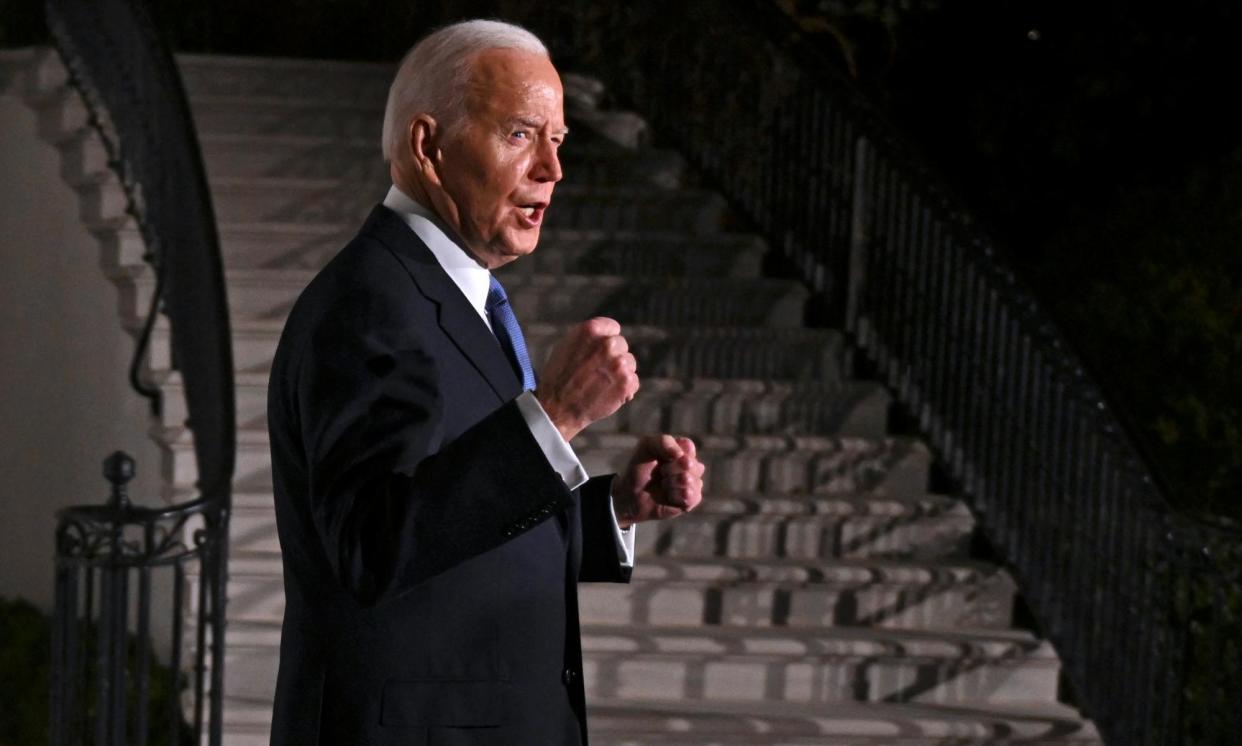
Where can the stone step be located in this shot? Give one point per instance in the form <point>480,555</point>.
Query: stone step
<point>562,299</point>
<point>606,148</point>
<point>697,212</point>
<point>61,115</point>
<point>748,406</point>
<point>837,665</point>
<point>643,723</point>
<point>930,528</point>
<point>356,82</point>
<point>291,156</point>
<point>236,144</point>
<point>305,114</point>
<point>753,593</point>
<point>699,592</point>
<point>217,108</point>
<point>361,115</point>
<point>642,253</point>
<point>658,300</point>
<point>799,464</point>
<point>282,246</point>
<point>776,354</point>
<point>749,463</point>
<point>360,160</point>
<point>594,164</point>
<point>269,199</point>
<point>792,529</point>
<point>275,77</point>
<point>18,70</point>
<point>707,406</point>
<point>745,665</point>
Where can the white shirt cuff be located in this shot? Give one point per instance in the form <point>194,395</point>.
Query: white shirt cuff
<point>565,462</point>
<point>562,458</point>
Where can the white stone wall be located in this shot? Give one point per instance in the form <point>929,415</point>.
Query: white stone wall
<point>65,402</point>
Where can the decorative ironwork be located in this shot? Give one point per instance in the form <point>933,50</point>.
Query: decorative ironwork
<point>1142,604</point>
<point>100,668</point>
<point>125,73</point>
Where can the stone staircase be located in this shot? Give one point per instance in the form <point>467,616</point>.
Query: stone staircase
<point>820,595</point>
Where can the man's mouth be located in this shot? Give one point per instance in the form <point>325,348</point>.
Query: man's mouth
<point>531,213</point>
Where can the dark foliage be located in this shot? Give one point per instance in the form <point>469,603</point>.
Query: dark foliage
<point>25,680</point>
<point>25,668</point>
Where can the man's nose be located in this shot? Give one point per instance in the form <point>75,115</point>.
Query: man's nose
<point>547,165</point>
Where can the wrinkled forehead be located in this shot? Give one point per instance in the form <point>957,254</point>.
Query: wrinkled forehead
<point>511,82</point>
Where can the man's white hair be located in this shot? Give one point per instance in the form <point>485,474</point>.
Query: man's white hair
<point>434,74</point>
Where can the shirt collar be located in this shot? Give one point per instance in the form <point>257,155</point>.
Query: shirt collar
<point>473,281</point>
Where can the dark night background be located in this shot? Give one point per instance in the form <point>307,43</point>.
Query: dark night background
<point>1096,141</point>
<point>1099,143</point>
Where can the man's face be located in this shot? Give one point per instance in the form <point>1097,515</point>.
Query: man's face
<point>498,168</point>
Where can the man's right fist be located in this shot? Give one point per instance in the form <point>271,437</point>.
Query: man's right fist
<point>588,376</point>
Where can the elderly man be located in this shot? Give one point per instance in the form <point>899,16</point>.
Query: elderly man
<point>433,518</point>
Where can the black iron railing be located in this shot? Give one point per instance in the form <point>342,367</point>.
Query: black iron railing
<point>1144,606</point>
<point>130,582</point>
<point>126,76</point>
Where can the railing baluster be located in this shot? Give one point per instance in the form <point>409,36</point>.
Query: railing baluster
<point>861,207</point>
<point>956,388</point>
<point>991,416</point>
<point>218,551</point>
<point>64,657</point>
<point>940,333</point>
<point>104,650</point>
<point>144,651</point>
<point>1005,446</point>
<point>178,641</point>
<point>120,608</point>
<point>200,648</point>
<point>920,259</point>
<point>86,656</point>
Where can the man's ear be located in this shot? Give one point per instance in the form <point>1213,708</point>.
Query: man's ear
<point>423,139</point>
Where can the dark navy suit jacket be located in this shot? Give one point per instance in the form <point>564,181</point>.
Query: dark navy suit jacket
<point>431,554</point>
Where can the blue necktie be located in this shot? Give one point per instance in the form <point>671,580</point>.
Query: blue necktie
<point>505,326</point>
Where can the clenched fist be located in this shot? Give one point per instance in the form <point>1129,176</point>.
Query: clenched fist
<point>663,480</point>
<point>588,376</point>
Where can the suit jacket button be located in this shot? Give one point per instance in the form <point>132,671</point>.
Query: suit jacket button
<point>569,676</point>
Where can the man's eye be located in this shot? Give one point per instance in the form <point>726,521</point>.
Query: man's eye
<point>520,134</point>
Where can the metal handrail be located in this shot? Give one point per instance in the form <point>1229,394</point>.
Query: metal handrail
<point>120,65</point>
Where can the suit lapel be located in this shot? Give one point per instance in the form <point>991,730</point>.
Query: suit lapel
<point>461,323</point>
<point>458,319</point>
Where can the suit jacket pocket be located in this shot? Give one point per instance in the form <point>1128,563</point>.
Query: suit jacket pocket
<point>462,703</point>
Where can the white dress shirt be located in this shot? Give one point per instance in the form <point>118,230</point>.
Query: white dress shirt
<point>474,281</point>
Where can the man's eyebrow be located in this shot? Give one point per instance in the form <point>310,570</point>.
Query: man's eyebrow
<point>536,124</point>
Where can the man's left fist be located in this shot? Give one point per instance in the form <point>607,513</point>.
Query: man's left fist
<point>663,479</point>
